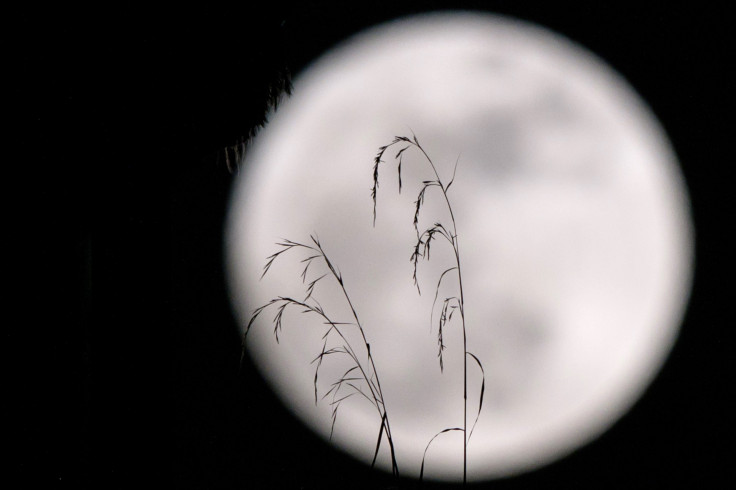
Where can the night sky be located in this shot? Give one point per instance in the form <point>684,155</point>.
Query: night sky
<point>129,369</point>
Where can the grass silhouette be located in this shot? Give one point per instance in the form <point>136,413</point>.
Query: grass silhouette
<point>422,246</point>
<point>361,377</point>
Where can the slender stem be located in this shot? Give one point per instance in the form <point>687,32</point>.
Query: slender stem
<point>351,351</point>
<point>375,388</point>
<point>465,372</point>
<point>456,247</point>
<point>338,277</point>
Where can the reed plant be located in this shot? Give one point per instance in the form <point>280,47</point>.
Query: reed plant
<point>455,302</point>
<point>361,376</point>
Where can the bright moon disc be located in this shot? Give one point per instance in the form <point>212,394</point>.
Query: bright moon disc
<point>573,231</point>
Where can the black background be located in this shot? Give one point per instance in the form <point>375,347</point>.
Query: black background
<point>128,373</point>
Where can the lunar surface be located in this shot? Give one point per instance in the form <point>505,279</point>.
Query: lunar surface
<point>573,232</point>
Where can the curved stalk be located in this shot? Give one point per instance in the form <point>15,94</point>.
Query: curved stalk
<point>384,418</point>
<point>374,386</point>
<point>453,240</point>
<point>456,248</point>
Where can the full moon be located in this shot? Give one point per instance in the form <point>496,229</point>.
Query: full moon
<point>569,213</point>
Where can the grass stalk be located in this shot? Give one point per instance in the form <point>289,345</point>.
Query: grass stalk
<point>361,378</point>
<point>368,374</point>
<point>421,250</point>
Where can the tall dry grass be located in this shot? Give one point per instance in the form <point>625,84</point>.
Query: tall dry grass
<point>361,377</point>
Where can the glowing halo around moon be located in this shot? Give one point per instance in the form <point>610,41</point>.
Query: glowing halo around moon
<point>573,222</point>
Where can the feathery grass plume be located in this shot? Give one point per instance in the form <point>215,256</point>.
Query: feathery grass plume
<point>361,378</point>
<point>453,302</point>
<point>377,161</point>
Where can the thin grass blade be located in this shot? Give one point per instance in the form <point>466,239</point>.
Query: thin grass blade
<point>482,392</point>
<point>380,436</point>
<point>421,470</point>
<point>453,175</point>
